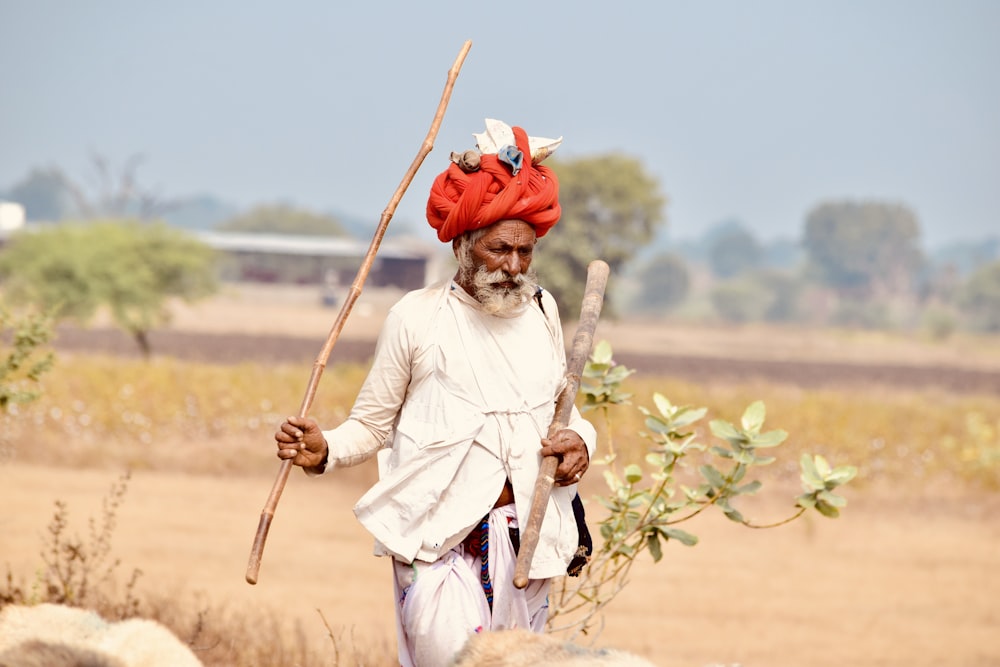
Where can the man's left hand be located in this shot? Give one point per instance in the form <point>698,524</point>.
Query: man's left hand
<point>574,459</point>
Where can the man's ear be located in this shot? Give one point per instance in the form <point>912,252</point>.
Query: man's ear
<point>454,246</point>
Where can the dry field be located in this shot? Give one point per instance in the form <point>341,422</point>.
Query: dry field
<point>898,580</point>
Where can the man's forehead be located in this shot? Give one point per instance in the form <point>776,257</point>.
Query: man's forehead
<point>509,231</point>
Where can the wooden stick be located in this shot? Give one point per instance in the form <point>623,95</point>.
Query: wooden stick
<point>593,299</point>
<point>317,371</point>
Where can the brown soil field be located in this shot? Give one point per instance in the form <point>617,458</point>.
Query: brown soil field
<point>288,324</point>
<point>894,581</point>
<point>902,578</point>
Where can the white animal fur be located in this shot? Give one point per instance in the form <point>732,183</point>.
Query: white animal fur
<point>522,648</point>
<point>53,632</point>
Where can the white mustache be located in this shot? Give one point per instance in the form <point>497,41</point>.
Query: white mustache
<point>500,276</point>
<point>498,299</point>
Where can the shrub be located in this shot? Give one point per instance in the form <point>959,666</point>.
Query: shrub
<point>647,502</point>
<point>23,355</point>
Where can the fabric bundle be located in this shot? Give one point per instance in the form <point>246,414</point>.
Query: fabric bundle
<point>504,180</point>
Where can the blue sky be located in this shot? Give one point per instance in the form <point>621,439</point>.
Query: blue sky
<point>754,111</point>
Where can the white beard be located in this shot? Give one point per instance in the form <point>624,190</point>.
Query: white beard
<point>497,300</point>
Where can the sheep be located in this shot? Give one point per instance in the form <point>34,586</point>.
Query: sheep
<point>51,634</point>
<point>38,653</point>
<point>517,648</point>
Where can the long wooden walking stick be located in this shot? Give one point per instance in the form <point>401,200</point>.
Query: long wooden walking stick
<point>593,299</point>
<point>267,514</point>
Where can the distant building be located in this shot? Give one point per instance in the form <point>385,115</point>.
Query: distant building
<point>12,216</point>
<point>319,260</point>
<point>330,263</point>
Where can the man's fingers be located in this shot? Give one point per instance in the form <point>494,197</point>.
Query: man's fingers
<point>570,470</point>
<point>557,449</point>
<point>572,453</point>
<point>294,452</point>
<point>566,480</point>
<point>563,442</point>
<point>301,423</point>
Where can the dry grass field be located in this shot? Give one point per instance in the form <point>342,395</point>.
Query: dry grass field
<point>892,582</point>
<point>909,575</point>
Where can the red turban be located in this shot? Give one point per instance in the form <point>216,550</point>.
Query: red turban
<point>460,202</point>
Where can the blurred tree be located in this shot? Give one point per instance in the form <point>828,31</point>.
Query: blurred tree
<point>764,295</point>
<point>197,212</point>
<point>738,301</point>
<point>864,250</point>
<point>783,290</point>
<point>979,298</point>
<point>72,270</point>
<point>283,219</point>
<point>964,257</point>
<point>733,252</point>
<point>855,314</point>
<point>664,283</point>
<point>610,208</point>
<point>782,253</point>
<point>46,194</point>
<point>119,195</point>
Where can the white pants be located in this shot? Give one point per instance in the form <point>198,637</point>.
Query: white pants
<point>440,604</point>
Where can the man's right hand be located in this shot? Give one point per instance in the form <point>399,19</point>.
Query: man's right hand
<point>301,440</point>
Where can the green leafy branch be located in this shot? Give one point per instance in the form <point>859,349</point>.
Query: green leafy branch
<point>23,358</point>
<point>645,503</point>
<point>601,386</point>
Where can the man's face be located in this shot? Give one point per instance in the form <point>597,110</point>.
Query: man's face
<point>506,245</point>
<point>495,268</point>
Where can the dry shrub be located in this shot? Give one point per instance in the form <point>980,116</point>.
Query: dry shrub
<point>222,636</point>
<point>98,411</point>
<point>110,412</point>
<point>83,572</point>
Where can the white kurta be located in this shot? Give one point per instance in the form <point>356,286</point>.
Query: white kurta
<point>457,401</point>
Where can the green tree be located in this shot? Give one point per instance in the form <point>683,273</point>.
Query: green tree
<point>733,252</point>
<point>72,270</point>
<point>864,250</point>
<point>283,219</point>
<point>979,298</point>
<point>610,209</point>
<point>664,283</point>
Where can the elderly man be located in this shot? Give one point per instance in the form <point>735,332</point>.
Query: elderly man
<point>457,405</point>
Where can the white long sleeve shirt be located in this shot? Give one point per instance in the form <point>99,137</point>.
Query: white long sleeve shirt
<point>456,402</point>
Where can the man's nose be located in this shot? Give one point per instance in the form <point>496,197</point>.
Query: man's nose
<point>512,264</point>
